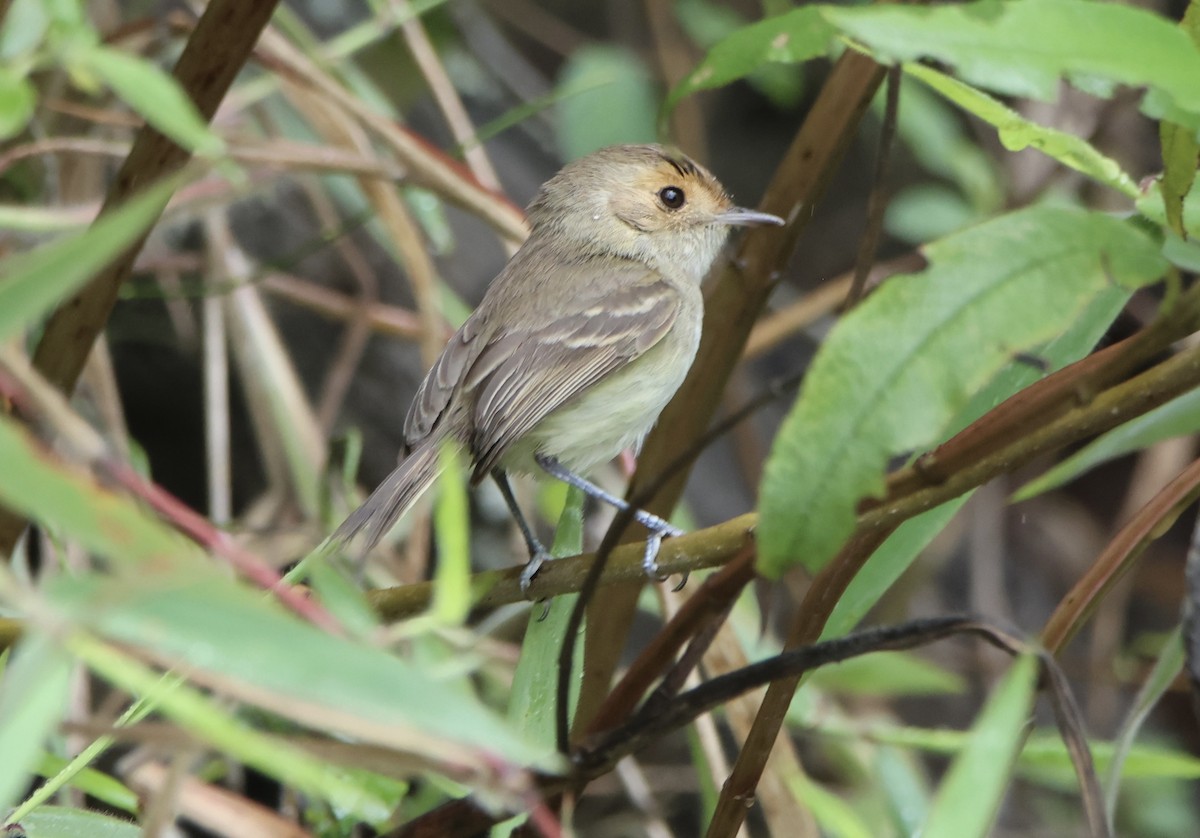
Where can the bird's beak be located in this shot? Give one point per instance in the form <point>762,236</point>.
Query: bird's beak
<point>742,217</point>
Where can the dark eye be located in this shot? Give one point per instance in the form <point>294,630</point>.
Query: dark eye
<point>672,197</point>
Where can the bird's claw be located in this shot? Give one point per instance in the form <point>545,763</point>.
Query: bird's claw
<point>659,529</point>
<point>526,579</point>
<point>531,570</point>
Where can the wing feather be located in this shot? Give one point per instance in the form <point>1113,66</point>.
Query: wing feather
<point>522,377</point>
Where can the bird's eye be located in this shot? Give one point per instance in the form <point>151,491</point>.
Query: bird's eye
<point>672,197</point>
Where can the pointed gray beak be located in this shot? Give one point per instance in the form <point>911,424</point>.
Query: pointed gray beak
<point>742,217</point>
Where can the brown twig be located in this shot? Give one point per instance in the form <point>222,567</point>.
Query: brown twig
<point>877,202</point>
<point>280,153</point>
<point>384,319</point>
<point>448,102</point>
<point>424,164</point>
<point>706,548</point>
<point>710,602</point>
<point>1150,523</point>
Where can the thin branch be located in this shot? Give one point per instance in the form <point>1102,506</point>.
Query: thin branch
<point>1150,523</point>
<point>698,550</point>
<point>448,101</point>
<point>384,319</point>
<point>877,202</point>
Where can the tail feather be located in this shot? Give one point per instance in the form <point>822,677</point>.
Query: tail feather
<point>391,499</point>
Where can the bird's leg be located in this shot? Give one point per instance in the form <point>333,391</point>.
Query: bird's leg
<point>659,529</point>
<point>538,554</point>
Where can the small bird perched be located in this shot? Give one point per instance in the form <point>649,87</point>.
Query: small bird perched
<point>578,344</point>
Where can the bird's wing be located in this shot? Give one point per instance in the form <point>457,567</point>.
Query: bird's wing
<point>520,377</point>
<point>437,391</point>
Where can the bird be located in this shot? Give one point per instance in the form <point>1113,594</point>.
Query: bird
<point>578,343</point>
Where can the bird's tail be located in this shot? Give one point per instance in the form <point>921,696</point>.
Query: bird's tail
<point>391,499</point>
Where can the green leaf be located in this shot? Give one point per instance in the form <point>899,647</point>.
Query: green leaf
<point>896,554</point>
<point>23,28</point>
<point>834,815</point>
<point>1044,757</point>
<point>897,370</point>
<point>886,674</point>
<point>1011,47</point>
<point>904,783</point>
<point>967,801</point>
<point>37,280</point>
<point>1177,417</point>
<point>1017,132</point>
<point>791,38</point>
<point>1046,760</point>
<point>934,132</point>
<point>17,101</point>
<point>707,22</point>
<point>1167,666</point>
<point>237,640</point>
<point>886,565</point>
<point>103,787</point>
<point>112,525</point>
<point>155,95</point>
<point>1180,151</point>
<point>927,211</point>
<point>203,717</point>
<point>74,772</point>
<point>452,533</point>
<point>1152,204</point>
<point>614,102</point>
<point>1026,47</point>
<point>533,701</point>
<point>33,696</point>
<point>61,822</point>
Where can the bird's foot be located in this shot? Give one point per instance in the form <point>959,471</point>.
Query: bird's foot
<point>537,558</point>
<point>659,529</point>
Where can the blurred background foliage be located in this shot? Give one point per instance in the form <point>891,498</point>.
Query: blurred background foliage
<point>355,192</point>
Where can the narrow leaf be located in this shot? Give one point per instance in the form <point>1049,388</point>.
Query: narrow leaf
<point>967,801</point>
<point>233,639</point>
<point>33,695</point>
<point>60,496</point>
<point>202,716</point>
<point>1178,417</point>
<point>1017,132</point>
<point>1180,147</point>
<point>533,702</point>
<point>61,822</point>
<point>37,280</point>
<point>155,95</point>
<point>1166,669</point>
<point>452,532</point>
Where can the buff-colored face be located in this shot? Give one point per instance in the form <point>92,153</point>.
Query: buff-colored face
<point>644,203</point>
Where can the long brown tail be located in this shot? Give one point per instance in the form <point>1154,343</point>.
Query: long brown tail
<point>391,499</point>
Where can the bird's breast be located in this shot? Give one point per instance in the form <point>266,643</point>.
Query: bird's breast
<point>617,412</point>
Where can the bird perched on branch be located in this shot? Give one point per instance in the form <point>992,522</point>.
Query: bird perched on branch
<point>579,342</point>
